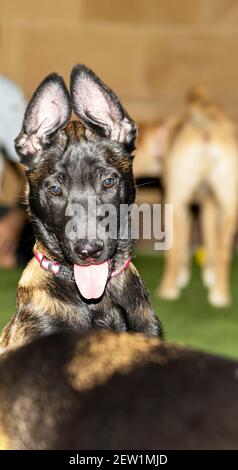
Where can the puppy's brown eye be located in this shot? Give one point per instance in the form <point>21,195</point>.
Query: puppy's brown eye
<point>109,182</point>
<point>55,190</point>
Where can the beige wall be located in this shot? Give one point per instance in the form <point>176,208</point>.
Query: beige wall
<point>149,51</point>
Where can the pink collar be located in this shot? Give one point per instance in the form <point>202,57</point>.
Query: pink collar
<point>64,272</point>
<point>124,266</point>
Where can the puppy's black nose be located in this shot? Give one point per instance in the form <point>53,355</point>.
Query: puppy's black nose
<point>89,249</point>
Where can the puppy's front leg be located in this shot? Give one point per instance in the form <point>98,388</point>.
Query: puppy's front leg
<point>130,293</point>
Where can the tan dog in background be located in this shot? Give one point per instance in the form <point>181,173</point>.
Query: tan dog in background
<point>200,164</point>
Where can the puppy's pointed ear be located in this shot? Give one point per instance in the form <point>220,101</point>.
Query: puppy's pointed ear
<point>48,111</point>
<point>99,108</point>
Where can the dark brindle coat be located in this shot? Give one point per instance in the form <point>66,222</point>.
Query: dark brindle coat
<point>74,158</point>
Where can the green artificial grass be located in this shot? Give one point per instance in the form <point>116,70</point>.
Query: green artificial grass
<point>190,320</point>
<point>8,283</point>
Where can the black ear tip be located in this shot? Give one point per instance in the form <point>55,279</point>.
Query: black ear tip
<point>51,79</point>
<point>54,78</point>
<point>81,68</point>
<point>79,71</point>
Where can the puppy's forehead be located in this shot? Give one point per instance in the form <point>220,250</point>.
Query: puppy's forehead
<point>80,147</point>
<point>75,130</point>
<point>93,149</point>
<point>83,143</point>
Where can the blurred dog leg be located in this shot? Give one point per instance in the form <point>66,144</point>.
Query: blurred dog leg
<point>184,272</point>
<point>225,184</point>
<point>176,274</point>
<point>177,259</point>
<point>209,221</point>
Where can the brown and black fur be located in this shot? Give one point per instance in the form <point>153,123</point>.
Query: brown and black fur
<point>105,390</point>
<point>76,156</point>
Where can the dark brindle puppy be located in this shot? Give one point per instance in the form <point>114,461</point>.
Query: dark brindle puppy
<point>66,164</point>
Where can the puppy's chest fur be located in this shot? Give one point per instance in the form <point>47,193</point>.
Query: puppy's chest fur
<point>46,304</point>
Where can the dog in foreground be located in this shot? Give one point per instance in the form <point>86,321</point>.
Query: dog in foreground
<point>77,284</point>
<point>107,390</point>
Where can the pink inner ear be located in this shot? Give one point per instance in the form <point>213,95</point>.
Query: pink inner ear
<point>32,144</point>
<point>28,145</point>
<point>48,112</point>
<point>48,117</point>
<point>91,101</point>
<point>96,104</point>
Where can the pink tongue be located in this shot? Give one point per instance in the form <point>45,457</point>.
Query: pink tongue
<point>91,280</point>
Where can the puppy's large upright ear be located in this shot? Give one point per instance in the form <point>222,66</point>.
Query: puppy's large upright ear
<point>48,111</point>
<point>99,108</point>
